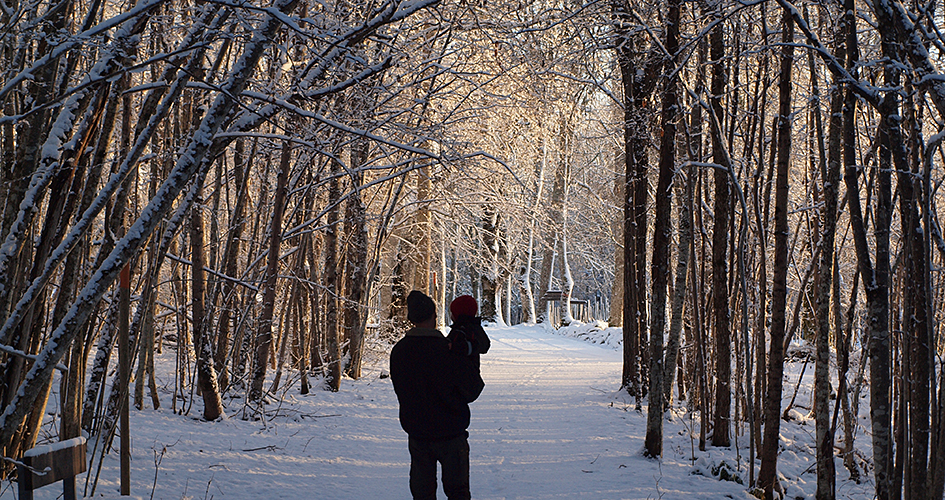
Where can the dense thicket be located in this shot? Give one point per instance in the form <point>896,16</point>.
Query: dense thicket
<point>733,183</point>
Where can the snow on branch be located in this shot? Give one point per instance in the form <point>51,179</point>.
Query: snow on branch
<point>84,223</point>
<point>186,167</point>
<point>867,92</point>
<point>142,8</point>
<point>16,352</point>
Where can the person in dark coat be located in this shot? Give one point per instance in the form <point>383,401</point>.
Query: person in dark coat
<point>434,387</point>
<point>466,332</point>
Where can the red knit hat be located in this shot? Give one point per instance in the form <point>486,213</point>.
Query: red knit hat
<point>464,305</point>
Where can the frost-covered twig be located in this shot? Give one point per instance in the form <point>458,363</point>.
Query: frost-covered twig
<point>46,470</point>
<point>16,352</point>
<point>157,466</point>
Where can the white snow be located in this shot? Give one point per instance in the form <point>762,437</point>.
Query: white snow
<point>48,448</point>
<point>550,424</point>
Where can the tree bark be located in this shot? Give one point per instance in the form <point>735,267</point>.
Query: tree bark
<point>767,476</point>
<point>333,284</point>
<point>662,237</point>
<point>552,237</point>
<point>637,81</point>
<point>830,178</point>
<point>720,243</point>
<point>489,280</point>
<point>356,265</point>
<point>206,375</point>
<point>264,334</point>
<point>916,299</point>
<point>423,228</point>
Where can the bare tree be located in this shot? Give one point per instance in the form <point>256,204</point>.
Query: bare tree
<point>662,236</point>
<point>767,475</point>
<point>638,81</point>
<point>264,337</point>
<point>206,374</point>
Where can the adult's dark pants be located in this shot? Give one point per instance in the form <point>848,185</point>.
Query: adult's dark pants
<point>453,456</point>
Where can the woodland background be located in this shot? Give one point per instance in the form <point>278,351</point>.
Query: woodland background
<point>724,179</point>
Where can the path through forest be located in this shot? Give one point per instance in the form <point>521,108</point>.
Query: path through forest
<point>549,425</point>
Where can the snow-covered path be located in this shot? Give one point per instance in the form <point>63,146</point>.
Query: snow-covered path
<point>548,425</point>
<point>537,430</point>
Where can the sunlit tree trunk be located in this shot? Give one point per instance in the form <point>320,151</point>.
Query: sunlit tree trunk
<point>356,265</point>
<point>423,230</point>
<point>830,178</point>
<point>206,375</point>
<point>529,312</point>
<point>552,237</point>
<point>264,334</point>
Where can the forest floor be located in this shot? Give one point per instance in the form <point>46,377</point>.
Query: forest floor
<point>550,424</point>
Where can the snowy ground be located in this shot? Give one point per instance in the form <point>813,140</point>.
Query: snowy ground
<point>550,424</point>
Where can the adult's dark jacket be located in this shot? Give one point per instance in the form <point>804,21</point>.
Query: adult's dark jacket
<point>434,386</point>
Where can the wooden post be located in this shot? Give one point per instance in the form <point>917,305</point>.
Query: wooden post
<point>124,367</point>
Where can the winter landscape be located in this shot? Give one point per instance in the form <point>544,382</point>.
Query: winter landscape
<point>551,424</point>
<point>703,235</point>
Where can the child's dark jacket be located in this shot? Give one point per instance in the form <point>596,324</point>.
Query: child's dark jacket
<point>470,328</point>
<point>434,386</point>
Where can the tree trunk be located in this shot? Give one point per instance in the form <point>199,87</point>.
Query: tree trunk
<point>423,228</point>
<point>916,300</point>
<point>700,357</point>
<point>333,283</point>
<point>830,178</point>
<point>679,288</point>
<point>567,318</point>
<point>206,375</point>
<point>491,289</point>
<point>264,334</point>
<point>637,83</point>
<point>767,476</point>
<point>555,216</point>
<point>662,237</point>
<point>356,265</point>
<point>848,147</point>
<point>720,243</point>
<point>560,206</point>
<point>876,283</point>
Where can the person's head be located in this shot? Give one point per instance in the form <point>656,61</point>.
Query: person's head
<point>421,310</point>
<point>464,305</point>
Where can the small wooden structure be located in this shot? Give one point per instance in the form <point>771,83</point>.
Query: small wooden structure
<point>47,464</point>
<point>553,298</point>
